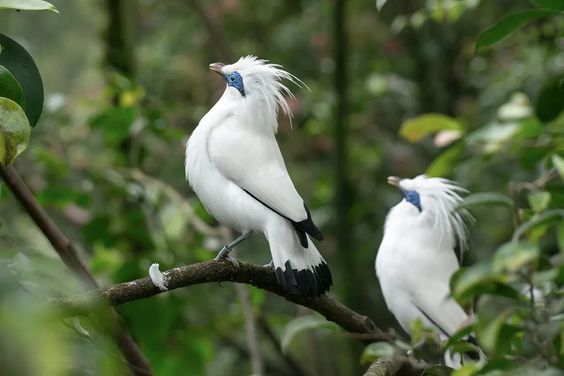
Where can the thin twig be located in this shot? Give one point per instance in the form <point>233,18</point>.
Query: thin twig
<point>175,197</point>
<point>535,185</point>
<point>251,330</point>
<point>271,336</point>
<point>68,253</point>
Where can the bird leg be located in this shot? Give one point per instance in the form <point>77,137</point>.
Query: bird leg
<point>270,265</point>
<point>224,253</point>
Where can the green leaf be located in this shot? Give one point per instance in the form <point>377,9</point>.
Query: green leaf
<point>491,333</point>
<point>21,65</point>
<point>466,370</point>
<point>115,122</point>
<point>10,88</point>
<point>14,130</point>
<point>468,283</point>
<point>539,200</point>
<point>302,324</point>
<point>557,5</point>
<point>375,351</point>
<point>446,161</point>
<point>462,347</point>
<point>548,216</point>
<point>512,256</point>
<point>558,163</point>
<point>549,102</point>
<point>507,25</point>
<point>380,4</point>
<point>560,237</point>
<point>415,129</point>
<point>27,5</point>
<point>496,364</point>
<point>485,198</point>
<point>458,336</point>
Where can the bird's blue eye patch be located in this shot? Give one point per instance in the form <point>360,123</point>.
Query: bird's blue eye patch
<point>235,80</point>
<point>413,198</point>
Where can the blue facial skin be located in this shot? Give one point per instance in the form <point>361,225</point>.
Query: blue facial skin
<point>235,80</point>
<point>413,198</point>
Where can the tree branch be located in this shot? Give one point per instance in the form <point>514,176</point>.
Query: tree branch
<point>221,271</point>
<point>397,365</point>
<point>62,245</point>
<point>383,367</point>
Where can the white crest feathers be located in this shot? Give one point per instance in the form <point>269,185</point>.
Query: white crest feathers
<point>440,199</point>
<point>268,79</point>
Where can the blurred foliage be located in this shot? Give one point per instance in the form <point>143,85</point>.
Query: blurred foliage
<point>107,161</point>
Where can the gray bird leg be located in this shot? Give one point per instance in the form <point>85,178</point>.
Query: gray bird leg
<point>224,253</point>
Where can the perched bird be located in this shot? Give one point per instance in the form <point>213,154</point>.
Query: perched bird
<point>235,166</point>
<point>416,258</point>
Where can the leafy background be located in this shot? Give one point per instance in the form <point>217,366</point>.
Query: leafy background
<point>425,90</point>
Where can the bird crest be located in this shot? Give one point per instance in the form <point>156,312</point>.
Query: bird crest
<point>440,199</point>
<point>265,81</point>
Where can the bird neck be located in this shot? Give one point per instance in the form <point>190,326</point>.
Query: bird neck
<point>404,220</point>
<point>256,110</point>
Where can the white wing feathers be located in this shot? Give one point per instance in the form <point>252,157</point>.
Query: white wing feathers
<point>253,161</point>
<point>440,309</point>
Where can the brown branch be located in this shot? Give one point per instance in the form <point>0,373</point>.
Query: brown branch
<point>383,367</point>
<point>222,271</point>
<point>397,365</point>
<point>62,245</point>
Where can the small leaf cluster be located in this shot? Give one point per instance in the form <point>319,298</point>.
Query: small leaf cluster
<point>21,88</point>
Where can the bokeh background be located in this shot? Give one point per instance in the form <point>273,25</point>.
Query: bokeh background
<point>127,81</point>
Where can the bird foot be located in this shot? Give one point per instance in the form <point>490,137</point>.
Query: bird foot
<point>157,277</point>
<point>224,255</point>
<point>270,265</point>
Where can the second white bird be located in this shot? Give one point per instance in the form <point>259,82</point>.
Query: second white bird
<point>416,258</point>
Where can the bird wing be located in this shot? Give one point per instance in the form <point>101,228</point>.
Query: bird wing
<point>440,309</point>
<point>253,161</point>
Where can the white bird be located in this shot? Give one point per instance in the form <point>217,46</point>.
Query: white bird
<point>416,258</point>
<point>235,166</point>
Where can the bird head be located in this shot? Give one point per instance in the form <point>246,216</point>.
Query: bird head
<point>432,204</point>
<point>256,83</point>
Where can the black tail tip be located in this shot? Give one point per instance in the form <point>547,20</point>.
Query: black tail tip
<point>310,283</point>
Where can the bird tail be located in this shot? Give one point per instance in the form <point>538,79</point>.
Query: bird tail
<point>298,269</point>
<point>457,360</point>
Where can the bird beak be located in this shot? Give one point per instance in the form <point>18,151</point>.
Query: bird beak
<point>217,67</point>
<point>394,181</point>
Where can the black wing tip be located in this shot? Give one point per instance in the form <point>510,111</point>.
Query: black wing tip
<point>473,354</point>
<point>307,227</point>
<point>302,228</point>
<point>305,282</point>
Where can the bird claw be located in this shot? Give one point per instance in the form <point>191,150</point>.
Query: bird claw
<point>157,277</point>
<point>226,257</point>
<point>270,265</point>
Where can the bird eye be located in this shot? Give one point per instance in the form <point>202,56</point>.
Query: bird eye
<point>413,198</point>
<point>232,78</point>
